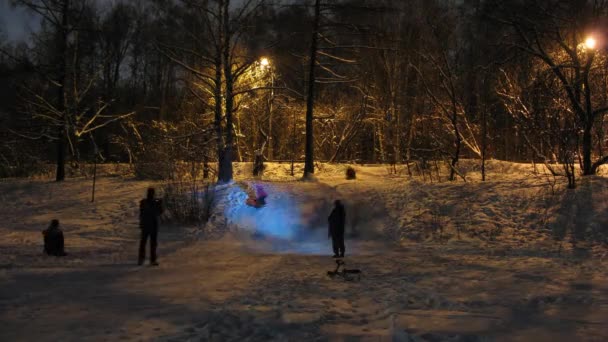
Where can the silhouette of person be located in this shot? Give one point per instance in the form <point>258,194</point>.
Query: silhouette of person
<point>150,209</point>
<point>53,240</point>
<point>337,219</point>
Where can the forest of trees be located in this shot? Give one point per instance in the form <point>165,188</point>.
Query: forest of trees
<point>155,82</point>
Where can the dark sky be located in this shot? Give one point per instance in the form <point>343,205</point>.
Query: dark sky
<point>16,23</point>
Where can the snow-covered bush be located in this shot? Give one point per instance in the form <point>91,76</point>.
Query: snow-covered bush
<point>187,202</point>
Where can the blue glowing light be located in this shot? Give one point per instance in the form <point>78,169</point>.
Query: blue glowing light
<point>279,226</point>
<point>279,218</point>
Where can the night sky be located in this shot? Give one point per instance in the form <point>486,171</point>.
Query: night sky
<point>16,23</point>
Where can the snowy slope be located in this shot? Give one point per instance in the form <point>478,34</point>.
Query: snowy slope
<point>493,273</point>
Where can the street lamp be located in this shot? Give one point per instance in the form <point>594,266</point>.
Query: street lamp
<point>265,63</point>
<point>590,43</point>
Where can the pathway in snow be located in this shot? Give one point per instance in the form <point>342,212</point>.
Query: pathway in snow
<point>222,291</point>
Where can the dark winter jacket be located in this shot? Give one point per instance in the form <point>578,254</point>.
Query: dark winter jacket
<point>337,219</point>
<point>53,241</point>
<point>149,211</point>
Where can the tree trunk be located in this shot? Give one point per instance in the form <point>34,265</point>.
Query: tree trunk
<point>484,132</point>
<point>587,147</point>
<point>226,162</point>
<point>60,145</point>
<point>239,152</point>
<point>218,113</point>
<point>458,143</point>
<point>61,78</point>
<point>309,167</point>
<point>270,140</point>
<point>381,145</point>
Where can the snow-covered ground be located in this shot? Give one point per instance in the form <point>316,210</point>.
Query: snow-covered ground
<point>443,261</point>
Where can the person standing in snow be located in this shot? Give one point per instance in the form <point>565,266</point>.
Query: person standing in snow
<point>53,240</point>
<point>150,209</point>
<point>337,219</point>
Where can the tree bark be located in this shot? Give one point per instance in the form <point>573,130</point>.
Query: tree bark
<point>309,167</point>
<point>484,141</point>
<point>226,162</point>
<point>218,112</point>
<point>587,147</point>
<point>458,143</point>
<point>62,36</point>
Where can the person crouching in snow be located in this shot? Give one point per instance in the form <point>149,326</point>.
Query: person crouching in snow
<point>337,219</point>
<point>53,240</point>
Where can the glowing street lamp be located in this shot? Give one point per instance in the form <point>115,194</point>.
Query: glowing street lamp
<point>264,62</point>
<point>590,43</point>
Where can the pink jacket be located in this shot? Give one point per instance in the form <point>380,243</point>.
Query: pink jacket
<point>260,191</point>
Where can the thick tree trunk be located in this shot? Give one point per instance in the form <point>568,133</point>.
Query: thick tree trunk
<point>309,167</point>
<point>239,152</point>
<point>410,137</point>
<point>60,146</point>
<point>484,141</point>
<point>270,140</point>
<point>62,36</point>
<point>458,143</point>
<point>587,147</point>
<point>397,135</point>
<point>219,132</point>
<point>381,145</point>
<point>225,174</point>
<point>374,140</point>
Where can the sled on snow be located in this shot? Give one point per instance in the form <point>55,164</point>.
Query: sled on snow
<point>347,275</point>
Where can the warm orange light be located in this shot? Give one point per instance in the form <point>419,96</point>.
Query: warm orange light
<point>264,62</point>
<point>590,43</point>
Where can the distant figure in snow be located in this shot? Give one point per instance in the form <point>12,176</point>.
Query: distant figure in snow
<point>258,163</point>
<point>150,209</point>
<point>336,220</point>
<point>53,240</point>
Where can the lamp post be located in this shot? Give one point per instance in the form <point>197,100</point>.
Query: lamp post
<point>293,142</point>
<point>265,63</point>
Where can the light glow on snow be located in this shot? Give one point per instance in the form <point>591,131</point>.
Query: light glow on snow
<point>278,227</point>
<point>278,219</point>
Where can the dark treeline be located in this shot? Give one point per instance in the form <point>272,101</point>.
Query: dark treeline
<point>154,82</point>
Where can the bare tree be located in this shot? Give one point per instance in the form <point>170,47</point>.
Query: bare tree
<point>74,114</point>
<point>543,119</point>
<point>555,33</point>
<point>214,55</point>
<point>309,166</point>
<point>59,14</point>
<point>446,94</point>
